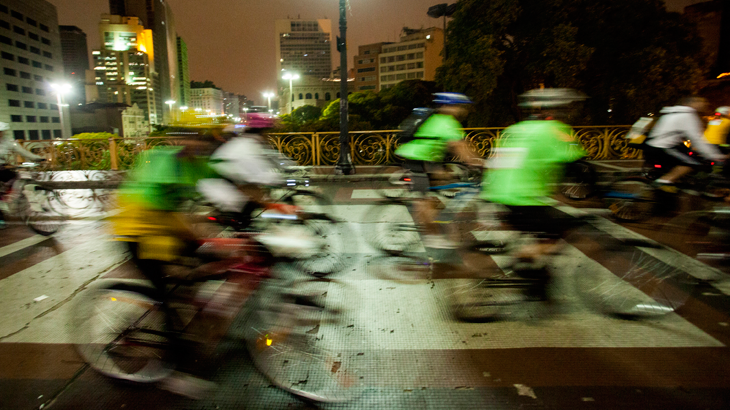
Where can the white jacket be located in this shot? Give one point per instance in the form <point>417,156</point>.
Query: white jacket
<point>8,147</point>
<point>677,124</point>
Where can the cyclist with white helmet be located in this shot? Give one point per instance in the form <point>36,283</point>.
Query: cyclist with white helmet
<point>523,173</point>
<point>9,148</point>
<point>439,134</point>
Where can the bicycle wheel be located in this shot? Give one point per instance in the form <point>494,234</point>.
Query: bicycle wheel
<point>37,213</point>
<point>580,181</point>
<point>390,227</point>
<point>282,339</point>
<point>496,296</point>
<point>635,279</point>
<point>121,331</point>
<point>631,199</point>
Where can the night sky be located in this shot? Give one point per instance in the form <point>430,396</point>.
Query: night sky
<point>231,42</point>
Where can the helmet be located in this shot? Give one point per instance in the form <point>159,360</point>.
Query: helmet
<point>720,110</point>
<point>451,99</point>
<point>260,120</point>
<point>550,97</point>
<point>4,126</point>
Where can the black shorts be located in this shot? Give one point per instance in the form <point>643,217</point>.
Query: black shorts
<point>421,180</point>
<point>545,221</point>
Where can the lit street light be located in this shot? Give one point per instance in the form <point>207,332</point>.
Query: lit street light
<point>269,96</point>
<point>170,103</point>
<point>245,113</point>
<point>60,90</point>
<point>291,77</point>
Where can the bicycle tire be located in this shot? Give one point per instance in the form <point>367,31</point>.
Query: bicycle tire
<point>631,199</point>
<point>390,228</point>
<point>281,338</point>
<point>317,218</point>
<point>636,281</point>
<point>36,216</point>
<point>122,331</point>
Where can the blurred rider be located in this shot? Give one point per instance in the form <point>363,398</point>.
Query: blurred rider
<point>439,134</point>
<point>246,166</point>
<point>666,141</point>
<point>523,173</point>
<point>718,128</point>
<point>8,149</point>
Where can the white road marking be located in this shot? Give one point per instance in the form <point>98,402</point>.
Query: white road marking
<point>14,247</point>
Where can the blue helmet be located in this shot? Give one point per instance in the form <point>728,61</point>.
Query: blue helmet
<point>451,99</point>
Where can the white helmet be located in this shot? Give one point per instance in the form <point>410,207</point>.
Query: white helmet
<point>723,111</point>
<point>4,126</point>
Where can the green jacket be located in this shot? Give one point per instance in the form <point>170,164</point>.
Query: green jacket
<point>162,181</point>
<point>528,162</point>
<point>432,139</point>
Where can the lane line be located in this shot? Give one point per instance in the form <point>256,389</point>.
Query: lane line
<point>7,250</point>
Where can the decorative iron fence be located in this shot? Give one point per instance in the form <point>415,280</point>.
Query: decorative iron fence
<point>312,148</point>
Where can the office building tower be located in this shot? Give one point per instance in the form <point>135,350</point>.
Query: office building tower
<point>75,53</point>
<point>304,47</point>
<point>31,61</point>
<point>366,67</point>
<point>183,73</point>
<point>124,66</point>
<point>415,57</point>
<point>207,101</point>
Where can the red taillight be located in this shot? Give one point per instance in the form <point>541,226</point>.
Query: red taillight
<point>407,179</point>
<point>657,166</point>
<point>212,218</point>
<point>712,163</point>
<point>690,153</point>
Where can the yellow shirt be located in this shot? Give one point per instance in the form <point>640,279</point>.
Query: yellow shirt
<point>716,132</point>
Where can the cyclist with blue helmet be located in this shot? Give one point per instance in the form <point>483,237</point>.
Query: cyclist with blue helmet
<point>439,134</point>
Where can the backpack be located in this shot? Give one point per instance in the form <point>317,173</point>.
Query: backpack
<point>410,125</point>
<point>639,132</point>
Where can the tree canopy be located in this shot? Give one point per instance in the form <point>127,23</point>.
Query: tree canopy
<point>629,56</point>
<point>203,84</point>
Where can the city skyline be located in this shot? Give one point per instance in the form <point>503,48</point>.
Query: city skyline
<point>241,57</point>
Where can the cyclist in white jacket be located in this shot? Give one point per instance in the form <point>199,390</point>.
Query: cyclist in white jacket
<point>9,148</point>
<point>666,139</point>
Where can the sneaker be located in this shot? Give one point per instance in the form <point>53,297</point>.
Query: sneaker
<point>438,242</point>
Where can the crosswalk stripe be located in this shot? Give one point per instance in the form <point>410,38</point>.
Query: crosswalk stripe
<point>7,250</point>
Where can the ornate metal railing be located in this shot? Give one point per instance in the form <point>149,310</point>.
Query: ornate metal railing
<point>312,148</point>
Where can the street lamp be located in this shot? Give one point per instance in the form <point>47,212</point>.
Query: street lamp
<point>170,103</point>
<point>269,96</point>
<point>60,90</point>
<point>442,10</point>
<point>291,77</point>
<point>245,113</point>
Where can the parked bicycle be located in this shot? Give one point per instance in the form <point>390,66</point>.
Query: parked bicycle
<point>30,202</point>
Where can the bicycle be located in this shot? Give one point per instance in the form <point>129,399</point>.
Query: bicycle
<point>30,202</point>
<point>314,216</point>
<point>628,278</point>
<point>131,331</point>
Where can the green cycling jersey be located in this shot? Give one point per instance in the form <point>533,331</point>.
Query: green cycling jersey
<point>432,139</point>
<point>528,162</point>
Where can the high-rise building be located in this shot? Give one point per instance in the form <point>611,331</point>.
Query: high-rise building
<point>415,57</point>
<point>366,67</point>
<point>207,100</point>
<point>31,61</point>
<point>231,104</point>
<point>157,16</point>
<point>183,73</point>
<point>75,54</point>
<point>304,47</point>
<point>124,66</point>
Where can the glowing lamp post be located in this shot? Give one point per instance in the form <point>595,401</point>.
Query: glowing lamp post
<point>60,90</point>
<point>268,96</point>
<point>291,77</point>
<point>170,103</point>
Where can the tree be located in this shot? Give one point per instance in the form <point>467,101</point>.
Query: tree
<point>629,56</point>
<point>204,84</point>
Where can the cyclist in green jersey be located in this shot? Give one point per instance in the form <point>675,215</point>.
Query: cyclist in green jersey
<point>439,134</point>
<point>522,174</point>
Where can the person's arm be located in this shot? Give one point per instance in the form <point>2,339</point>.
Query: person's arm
<point>693,129</point>
<point>461,149</point>
<point>25,153</point>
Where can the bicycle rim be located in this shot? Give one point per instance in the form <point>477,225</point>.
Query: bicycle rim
<point>391,228</point>
<point>121,331</point>
<point>38,219</point>
<point>282,339</point>
<point>636,282</point>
